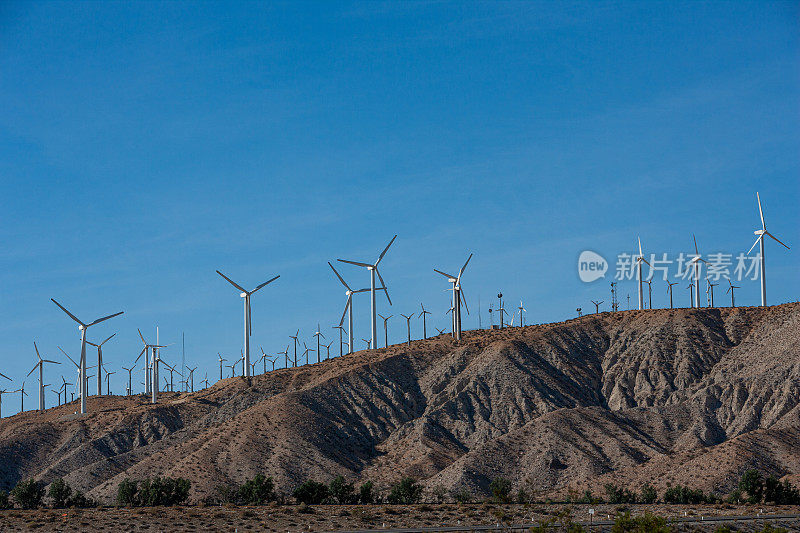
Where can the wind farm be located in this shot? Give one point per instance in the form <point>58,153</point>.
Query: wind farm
<point>501,266</point>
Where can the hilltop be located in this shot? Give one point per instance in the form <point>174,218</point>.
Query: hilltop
<point>691,396</point>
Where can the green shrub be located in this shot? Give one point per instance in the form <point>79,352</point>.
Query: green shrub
<point>4,503</point>
<point>60,493</point>
<point>648,494</point>
<point>683,495</point>
<point>341,491</point>
<point>462,495</point>
<point>80,501</point>
<point>256,491</point>
<point>618,495</point>
<point>406,492</point>
<point>500,488</point>
<point>366,493</point>
<point>780,493</point>
<point>311,492</point>
<point>126,493</point>
<point>641,524</point>
<point>440,493</point>
<point>753,484</point>
<point>28,494</point>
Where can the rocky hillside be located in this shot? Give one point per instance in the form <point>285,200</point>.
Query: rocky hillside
<point>667,396</point>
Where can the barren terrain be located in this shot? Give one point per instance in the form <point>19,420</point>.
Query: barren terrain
<point>690,396</point>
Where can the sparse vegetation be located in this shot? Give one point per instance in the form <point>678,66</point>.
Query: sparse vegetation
<point>28,494</point>
<point>683,495</point>
<point>500,488</point>
<point>366,493</point>
<point>341,492</point>
<point>648,494</point>
<point>256,491</point>
<point>618,495</point>
<point>406,492</point>
<point>152,492</point>
<point>4,502</point>
<point>311,492</point>
<point>753,485</point>
<point>646,523</point>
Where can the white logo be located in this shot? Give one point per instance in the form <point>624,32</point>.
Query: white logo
<point>591,266</point>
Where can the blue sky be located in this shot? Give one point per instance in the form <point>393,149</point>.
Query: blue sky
<point>144,145</point>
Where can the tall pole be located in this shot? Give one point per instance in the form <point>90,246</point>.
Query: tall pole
<point>41,386</point>
<point>372,302</point>
<point>350,328</point>
<point>154,384</point>
<point>83,370</point>
<point>457,293</point>
<point>697,283</point>
<point>99,371</point>
<point>246,297</point>
<point>641,296</point>
<point>763,273</point>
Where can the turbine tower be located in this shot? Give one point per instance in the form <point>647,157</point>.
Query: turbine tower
<point>424,321</point>
<point>385,330</point>
<point>247,323</point>
<point>597,306</point>
<point>760,241</point>
<point>100,362</point>
<point>40,365</point>
<point>458,297</point>
<point>639,260</point>
<point>730,290</point>
<point>669,290</point>
<point>220,364</point>
<point>373,269</point>
<point>149,352</point>
<point>83,327</point>
<point>696,262</point>
<point>523,310</point>
<point>408,324</point>
<point>318,334</point>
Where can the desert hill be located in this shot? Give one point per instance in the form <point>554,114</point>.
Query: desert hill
<point>692,396</point>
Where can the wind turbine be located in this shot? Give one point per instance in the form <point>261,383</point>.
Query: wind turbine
<point>440,331</point>
<point>696,262</point>
<point>639,260</point>
<point>669,290</point>
<point>263,358</point>
<point>458,298</point>
<point>597,306</point>
<point>286,355</point>
<point>691,294</point>
<point>424,322</point>
<point>295,346</point>
<point>247,323</point>
<point>385,330</point>
<point>373,269</point>
<point>22,394</point>
<point>3,391</point>
<point>108,383</point>
<point>408,324</point>
<point>40,365</point>
<point>305,353</point>
<point>205,380</point>
<point>220,364</point>
<point>760,241</point>
<point>730,290</point>
<point>711,292</point>
<point>523,310</point>
<point>328,350</point>
<point>318,334</point>
<point>100,362</point>
<point>191,378</point>
<point>369,343</point>
<point>340,328</point>
<point>130,371</point>
<point>149,352</point>
<point>83,327</point>
<point>348,310</point>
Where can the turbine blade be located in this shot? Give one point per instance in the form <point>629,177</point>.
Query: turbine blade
<point>266,283</point>
<point>385,250</point>
<point>73,317</point>
<point>37,351</point>
<point>463,268</point>
<point>108,339</point>
<point>354,263</point>
<point>754,244</point>
<point>104,318</point>
<point>141,336</point>
<point>32,369</point>
<point>3,375</point>
<point>68,357</point>
<point>49,361</point>
<point>695,244</point>
<point>340,277</point>
<point>760,212</point>
<point>230,281</point>
<point>346,307</point>
<point>448,276</point>
<point>463,300</point>
<point>776,239</point>
<point>385,290</point>
<point>640,246</point>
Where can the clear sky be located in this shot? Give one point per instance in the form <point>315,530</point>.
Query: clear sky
<point>144,145</point>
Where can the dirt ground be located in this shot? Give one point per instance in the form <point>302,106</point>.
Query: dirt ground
<point>343,518</point>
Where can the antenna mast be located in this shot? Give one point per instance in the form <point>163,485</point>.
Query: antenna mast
<point>614,301</point>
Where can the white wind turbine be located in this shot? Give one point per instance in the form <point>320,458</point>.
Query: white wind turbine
<point>3,391</point>
<point>247,323</point>
<point>40,365</point>
<point>458,297</point>
<point>221,359</point>
<point>639,260</point>
<point>373,269</point>
<point>423,314</point>
<point>730,290</point>
<point>385,330</point>
<point>408,325</point>
<point>696,260</point>
<point>760,241</point>
<point>83,327</point>
<point>348,310</point>
<point>149,352</point>
<point>100,362</point>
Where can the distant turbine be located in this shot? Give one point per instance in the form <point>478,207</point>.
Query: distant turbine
<point>286,355</point>
<point>100,361</point>
<point>220,364</point>
<point>730,290</point>
<point>408,324</point>
<point>597,306</point>
<point>191,378</point>
<point>373,269</point>
<point>440,331</point>
<point>130,371</point>
<point>458,297</point>
<point>696,260</point>
<point>348,309</point>
<point>295,346</point>
<point>385,330</point>
<point>523,310</point>
<point>711,292</point>
<point>328,350</point>
<point>424,321</point>
<point>318,334</point>
<point>22,394</point>
<point>83,327</point>
<point>205,381</point>
<point>669,290</point>
<point>760,241</point>
<point>108,383</point>
<point>247,323</point>
<point>340,328</point>
<point>369,343</point>
<point>40,365</point>
<point>149,352</point>
<point>639,260</point>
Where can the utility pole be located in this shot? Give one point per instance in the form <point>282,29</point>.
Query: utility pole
<point>614,301</point>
